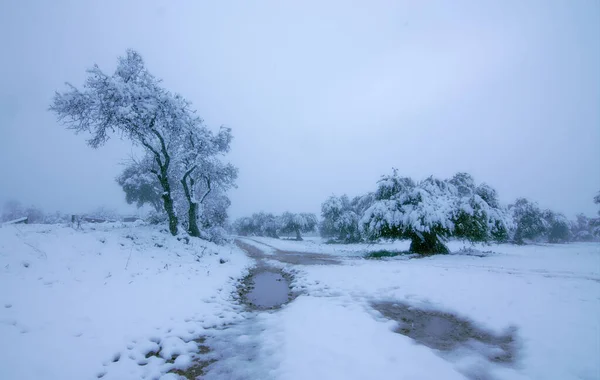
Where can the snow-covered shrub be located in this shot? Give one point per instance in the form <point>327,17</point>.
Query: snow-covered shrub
<point>155,217</point>
<point>215,234</point>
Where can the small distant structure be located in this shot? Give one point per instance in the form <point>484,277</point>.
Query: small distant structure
<point>129,219</point>
<point>23,220</point>
<point>93,219</point>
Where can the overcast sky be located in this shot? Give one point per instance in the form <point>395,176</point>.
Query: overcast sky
<point>323,96</point>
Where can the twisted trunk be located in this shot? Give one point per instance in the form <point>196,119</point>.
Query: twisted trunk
<point>163,161</point>
<point>427,244</point>
<point>193,229</point>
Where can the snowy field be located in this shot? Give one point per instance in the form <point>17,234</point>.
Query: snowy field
<point>551,294</point>
<point>89,304</point>
<point>83,304</point>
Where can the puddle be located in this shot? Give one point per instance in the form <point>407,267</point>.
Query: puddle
<point>269,289</point>
<point>299,258</point>
<point>448,332</point>
<point>265,288</point>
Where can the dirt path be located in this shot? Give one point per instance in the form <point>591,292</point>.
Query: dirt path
<point>288,257</point>
<point>449,335</point>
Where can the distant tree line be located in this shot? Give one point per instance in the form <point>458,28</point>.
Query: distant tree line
<point>269,225</point>
<point>431,211</point>
<point>181,175</point>
<point>13,209</point>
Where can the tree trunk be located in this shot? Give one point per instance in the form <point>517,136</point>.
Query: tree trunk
<point>193,229</point>
<point>298,237</point>
<point>169,204</point>
<point>163,178</point>
<point>428,245</point>
<point>193,220</point>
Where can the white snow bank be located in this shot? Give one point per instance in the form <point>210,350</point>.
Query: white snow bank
<point>82,304</point>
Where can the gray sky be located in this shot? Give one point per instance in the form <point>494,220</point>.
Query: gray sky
<point>322,97</point>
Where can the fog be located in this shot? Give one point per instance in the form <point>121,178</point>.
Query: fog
<point>322,97</point>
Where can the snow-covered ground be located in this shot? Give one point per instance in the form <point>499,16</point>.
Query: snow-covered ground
<point>317,245</point>
<point>551,294</point>
<point>84,304</point>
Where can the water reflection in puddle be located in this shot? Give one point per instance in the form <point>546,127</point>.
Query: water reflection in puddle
<point>269,289</point>
<point>447,332</point>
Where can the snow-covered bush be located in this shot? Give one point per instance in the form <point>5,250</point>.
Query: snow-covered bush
<point>430,211</point>
<point>157,217</point>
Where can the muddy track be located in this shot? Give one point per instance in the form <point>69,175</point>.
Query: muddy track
<point>287,257</point>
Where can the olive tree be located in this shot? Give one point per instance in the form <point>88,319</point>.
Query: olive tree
<point>132,103</point>
<point>339,219</point>
<point>200,171</point>
<point>430,211</point>
<point>140,185</point>
<point>528,219</point>
<point>298,223</point>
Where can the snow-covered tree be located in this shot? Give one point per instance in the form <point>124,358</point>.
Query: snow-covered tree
<point>528,219</point>
<point>558,230</point>
<point>581,230</point>
<point>595,222</point>
<point>340,219</point>
<point>430,211</point>
<point>200,170</point>
<point>140,185</point>
<point>361,203</point>
<point>244,226</point>
<point>298,223</point>
<point>266,224</point>
<point>259,224</point>
<point>132,103</point>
